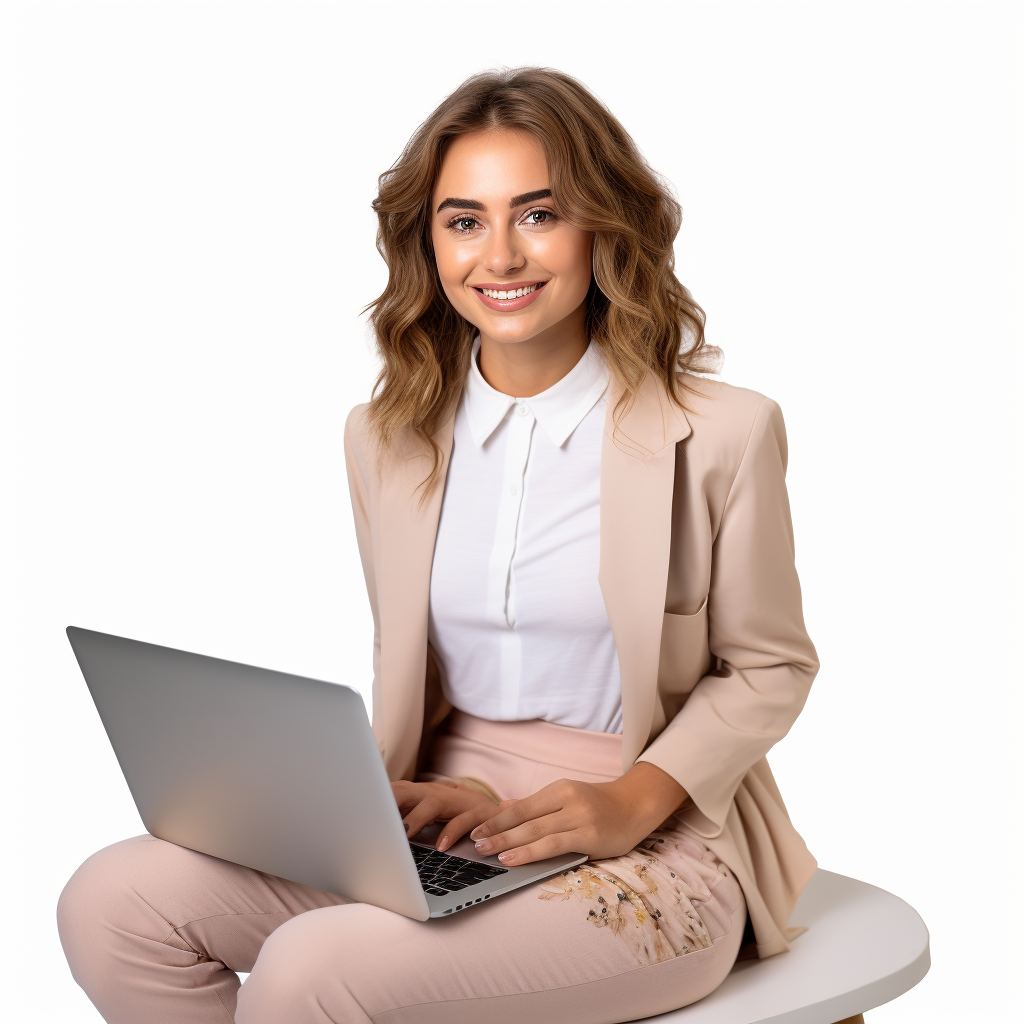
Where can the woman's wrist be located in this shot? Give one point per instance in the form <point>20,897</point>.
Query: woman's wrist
<point>648,794</point>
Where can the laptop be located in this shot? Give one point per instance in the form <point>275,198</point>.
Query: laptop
<point>279,773</point>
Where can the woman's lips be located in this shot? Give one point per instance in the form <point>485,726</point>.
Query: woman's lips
<point>510,305</point>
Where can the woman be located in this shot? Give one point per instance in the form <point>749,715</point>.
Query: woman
<point>588,625</point>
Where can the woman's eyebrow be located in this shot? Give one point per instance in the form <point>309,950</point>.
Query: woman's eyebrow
<point>461,204</point>
<point>529,197</point>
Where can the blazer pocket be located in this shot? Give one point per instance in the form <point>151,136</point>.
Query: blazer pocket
<point>685,657</point>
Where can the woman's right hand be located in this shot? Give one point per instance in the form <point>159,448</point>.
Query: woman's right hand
<point>463,808</point>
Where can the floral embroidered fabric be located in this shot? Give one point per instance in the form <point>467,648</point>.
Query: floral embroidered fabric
<point>656,898</point>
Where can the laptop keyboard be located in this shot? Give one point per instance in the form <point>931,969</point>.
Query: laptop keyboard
<point>442,873</point>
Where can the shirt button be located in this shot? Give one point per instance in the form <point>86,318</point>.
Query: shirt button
<point>521,409</point>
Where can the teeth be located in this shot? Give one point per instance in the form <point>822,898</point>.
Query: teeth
<point>516,293</point>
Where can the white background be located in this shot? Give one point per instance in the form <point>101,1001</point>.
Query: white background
<point>188,243</point>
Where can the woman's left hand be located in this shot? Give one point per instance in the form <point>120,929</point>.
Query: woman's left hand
<point>602,819</point>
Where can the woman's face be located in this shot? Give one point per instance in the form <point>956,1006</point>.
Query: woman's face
<point>507,261</point>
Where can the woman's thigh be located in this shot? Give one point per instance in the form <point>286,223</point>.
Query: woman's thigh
<point>610,941</point>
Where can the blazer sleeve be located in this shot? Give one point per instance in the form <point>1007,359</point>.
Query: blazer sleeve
<point>359,467</point>
<point>763,660</point>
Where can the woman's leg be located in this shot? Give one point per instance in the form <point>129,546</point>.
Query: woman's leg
<point>611,941</point>
<point>155,932</point>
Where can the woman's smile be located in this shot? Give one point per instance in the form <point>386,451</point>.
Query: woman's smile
<point>507,299</point>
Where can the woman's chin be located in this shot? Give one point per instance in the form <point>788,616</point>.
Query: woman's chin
<point>510,329</point>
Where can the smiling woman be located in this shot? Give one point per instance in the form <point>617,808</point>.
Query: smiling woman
<point>588,625</point>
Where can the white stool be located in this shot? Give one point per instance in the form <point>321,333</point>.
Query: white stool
<point>863,946</point>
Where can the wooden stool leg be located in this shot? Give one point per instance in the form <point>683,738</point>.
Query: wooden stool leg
<point>859,1019</point>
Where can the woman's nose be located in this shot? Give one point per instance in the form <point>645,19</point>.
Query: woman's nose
<point>503,254</point>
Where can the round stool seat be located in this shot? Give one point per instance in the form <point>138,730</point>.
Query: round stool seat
<point>863,946</point>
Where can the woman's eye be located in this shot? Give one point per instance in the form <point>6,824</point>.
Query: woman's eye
<point>463,224</point>
<point>539,217</point>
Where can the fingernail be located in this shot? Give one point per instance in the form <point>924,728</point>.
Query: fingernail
<point>442,844</point>
<point>477,833</point>
<point>507,856</point>
<point>483,846</point>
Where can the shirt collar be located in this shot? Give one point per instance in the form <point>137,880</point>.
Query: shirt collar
<point>559,410</point>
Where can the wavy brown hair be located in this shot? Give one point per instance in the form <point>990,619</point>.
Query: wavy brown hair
<point>638,312</point>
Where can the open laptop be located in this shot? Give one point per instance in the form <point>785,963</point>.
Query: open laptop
<point>278,773</point>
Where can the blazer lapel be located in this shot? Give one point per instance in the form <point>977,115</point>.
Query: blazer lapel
<point>408,531</point>
<point>637,475</point>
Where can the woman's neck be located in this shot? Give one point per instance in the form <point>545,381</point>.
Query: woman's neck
<point>526,368</point>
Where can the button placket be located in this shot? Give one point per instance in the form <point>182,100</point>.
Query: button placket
<point>501,589</point>
<point>517,453</point>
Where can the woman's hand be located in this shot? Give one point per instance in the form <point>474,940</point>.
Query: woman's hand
<point>463,808</point>
<point>604,819</point>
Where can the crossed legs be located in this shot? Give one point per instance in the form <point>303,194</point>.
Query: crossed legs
<point>154,932</point>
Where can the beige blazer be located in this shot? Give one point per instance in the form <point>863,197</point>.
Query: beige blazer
<point>698,577</point>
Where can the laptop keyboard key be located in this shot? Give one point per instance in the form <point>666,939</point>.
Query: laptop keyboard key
<point>442,873</point>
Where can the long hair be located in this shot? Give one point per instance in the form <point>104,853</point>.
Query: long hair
<point>640,315</point>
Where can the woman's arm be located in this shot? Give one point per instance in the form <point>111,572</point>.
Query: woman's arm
<point>739,711</point>
<point>598,819</point>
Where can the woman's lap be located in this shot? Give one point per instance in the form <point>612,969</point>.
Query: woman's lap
<point>153,931</point>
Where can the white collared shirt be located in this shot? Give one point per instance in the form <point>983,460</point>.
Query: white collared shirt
<point>517,618</point>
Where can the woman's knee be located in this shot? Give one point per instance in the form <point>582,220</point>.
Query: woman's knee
<point>109,899</point>
<point>305,967</point>
<point>94,892</point>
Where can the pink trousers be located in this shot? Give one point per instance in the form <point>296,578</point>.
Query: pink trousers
<point>154,933</point>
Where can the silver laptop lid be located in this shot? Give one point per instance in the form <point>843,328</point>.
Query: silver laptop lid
<point>212,751</point>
